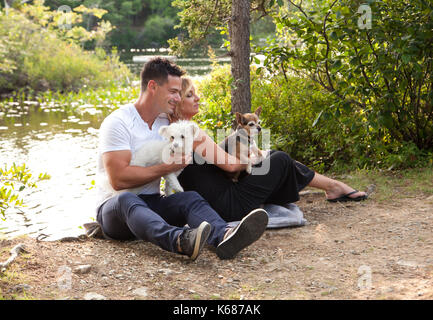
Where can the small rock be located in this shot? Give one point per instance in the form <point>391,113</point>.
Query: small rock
<point>140,292</point>
<point>85,268</point>
<point>410,264</point>
<point>20,287</point>
<point>268,280</point>
<point>167,272</point>
<point>94,296</point>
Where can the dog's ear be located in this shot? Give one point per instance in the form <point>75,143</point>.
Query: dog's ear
<point>258,111</point>
<point>163,131</point>
<point>239,118</point>
<point>195,130</point>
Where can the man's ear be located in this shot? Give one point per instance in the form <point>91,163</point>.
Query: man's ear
<point>151,84</point>
<point>163,131</point>
<point>258,111</point>
<point>195,130</point>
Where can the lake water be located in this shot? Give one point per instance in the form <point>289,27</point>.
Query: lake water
<point>64,146</point>
<point>195,63</point>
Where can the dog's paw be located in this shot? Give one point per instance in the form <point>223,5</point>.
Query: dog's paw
<point>249,168</point>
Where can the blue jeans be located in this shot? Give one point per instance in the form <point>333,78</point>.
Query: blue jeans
<point>158,219</point>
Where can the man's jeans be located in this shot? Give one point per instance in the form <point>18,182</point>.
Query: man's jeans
<point>158,219</point>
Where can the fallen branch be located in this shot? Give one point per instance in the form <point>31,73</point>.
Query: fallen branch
<point>15,251</point>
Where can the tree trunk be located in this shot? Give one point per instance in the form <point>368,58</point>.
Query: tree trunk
<point>239,28</point>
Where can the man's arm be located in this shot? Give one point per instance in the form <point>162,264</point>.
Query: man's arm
<point>124,176</point>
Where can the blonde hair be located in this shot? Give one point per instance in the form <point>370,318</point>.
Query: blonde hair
<point>186,85</point>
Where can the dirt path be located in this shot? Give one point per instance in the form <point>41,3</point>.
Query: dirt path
<point>367,250</point>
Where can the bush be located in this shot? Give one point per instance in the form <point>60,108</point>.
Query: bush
<point>293,110</point>
<point>38,58</point>
<point>384,70</point>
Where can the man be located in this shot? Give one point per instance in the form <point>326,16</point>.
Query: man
<point>149,215</point>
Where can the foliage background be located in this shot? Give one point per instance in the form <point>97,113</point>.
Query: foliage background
<point>291,106</point>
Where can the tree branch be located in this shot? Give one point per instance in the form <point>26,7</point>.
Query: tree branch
<point>299,7</point>
<point>363,71</point>
<point>211,17</point>
<point>15,251</point>
<point>328,46</point>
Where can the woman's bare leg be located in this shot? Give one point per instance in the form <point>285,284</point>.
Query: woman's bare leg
<point>333,188</point>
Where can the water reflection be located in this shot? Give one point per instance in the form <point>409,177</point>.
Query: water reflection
<point>65,147</point>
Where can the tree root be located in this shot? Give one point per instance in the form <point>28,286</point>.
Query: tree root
<point>15,251</point>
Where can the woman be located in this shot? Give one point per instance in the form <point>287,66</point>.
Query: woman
<point>233,200</point>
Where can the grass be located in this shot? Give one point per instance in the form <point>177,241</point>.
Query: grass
<point>9,279</point>
<point>392,185</point>
<point>90,100</point>
<point>12,276</point>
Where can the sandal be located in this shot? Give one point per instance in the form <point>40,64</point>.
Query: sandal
<point>346,197</point>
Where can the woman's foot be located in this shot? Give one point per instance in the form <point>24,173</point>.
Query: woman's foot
<point>336,190</point>
<point>341,191</point>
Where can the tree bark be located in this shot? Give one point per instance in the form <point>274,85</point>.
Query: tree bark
<point>239,28</point>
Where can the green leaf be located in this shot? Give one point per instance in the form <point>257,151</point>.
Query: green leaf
<point>406,58</point>
<point>337,113</point>
<point>333,35</point>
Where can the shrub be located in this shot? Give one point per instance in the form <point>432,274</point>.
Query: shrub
<point>384,70</point>
<point>292,107</point>
<point>40,58</point>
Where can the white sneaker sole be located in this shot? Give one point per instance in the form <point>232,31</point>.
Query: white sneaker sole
<point>249,230</point>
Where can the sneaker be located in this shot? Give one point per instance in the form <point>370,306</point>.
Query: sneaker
<point>245,233</point>
<point>93,230</point>
<point>192,240</point>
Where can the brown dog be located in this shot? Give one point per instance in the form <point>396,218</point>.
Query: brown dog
<point>240,143</point>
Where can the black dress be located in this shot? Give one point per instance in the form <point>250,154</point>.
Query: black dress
<point>277,179</point>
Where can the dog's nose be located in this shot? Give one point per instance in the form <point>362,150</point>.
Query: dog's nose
<point>259,129</point>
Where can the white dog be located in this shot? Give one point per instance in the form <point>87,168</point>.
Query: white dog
<point>179,137</point>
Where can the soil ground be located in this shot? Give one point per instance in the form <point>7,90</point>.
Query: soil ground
<point>375,249</point>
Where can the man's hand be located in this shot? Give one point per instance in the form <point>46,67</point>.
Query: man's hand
<point>178,161</point>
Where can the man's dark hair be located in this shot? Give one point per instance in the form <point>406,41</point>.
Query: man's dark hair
<point>158,69</point>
